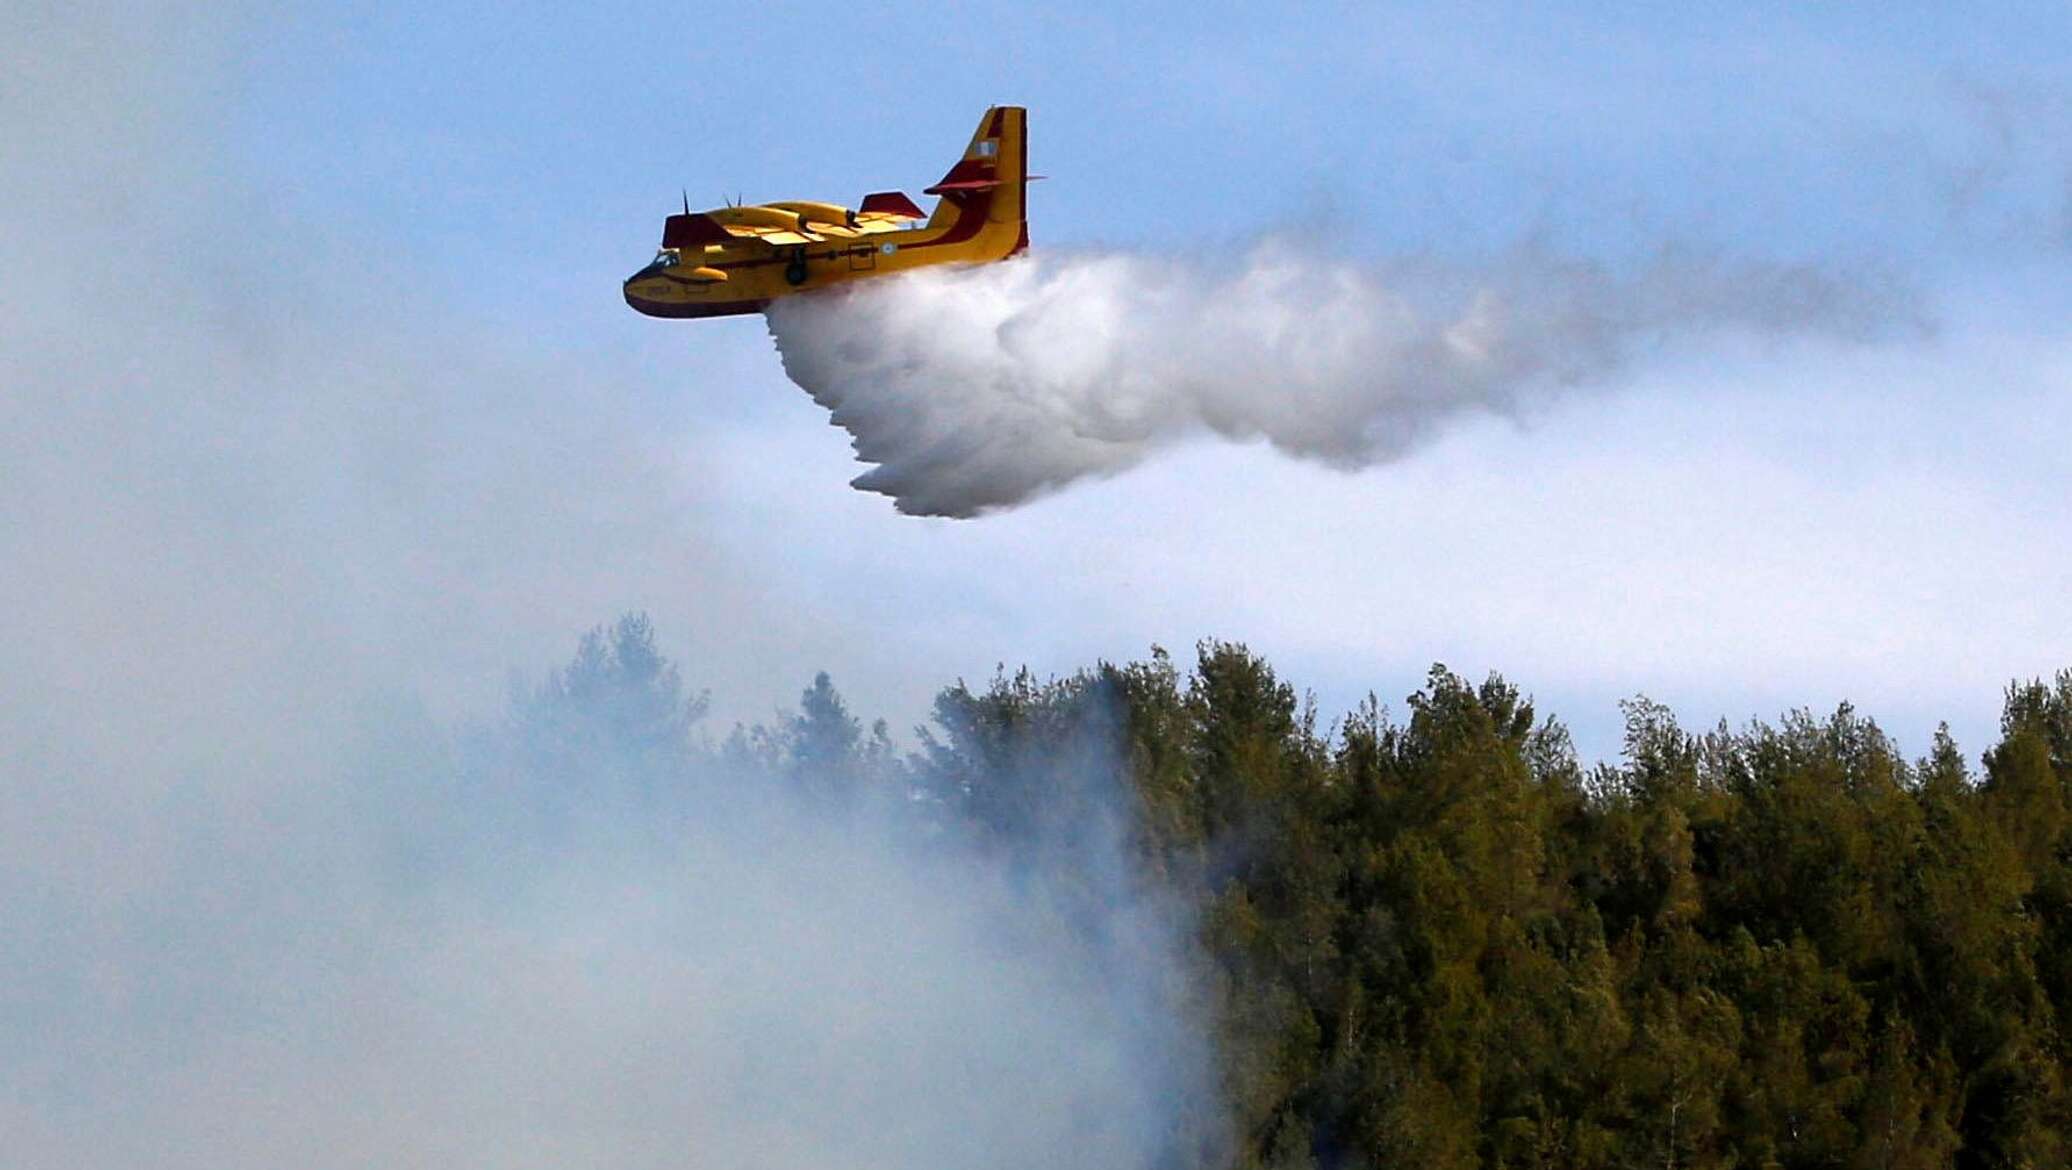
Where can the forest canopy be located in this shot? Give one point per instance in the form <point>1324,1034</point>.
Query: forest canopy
<point>1438,939</point>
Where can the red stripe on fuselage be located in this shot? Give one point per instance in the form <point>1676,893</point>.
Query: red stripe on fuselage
<point>971,218</point>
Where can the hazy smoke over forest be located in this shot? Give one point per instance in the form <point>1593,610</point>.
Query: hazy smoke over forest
<point>575,935</point>
<point>978,389</point>
<point>280,887</point>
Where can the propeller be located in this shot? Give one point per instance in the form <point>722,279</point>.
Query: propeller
<point>686,200</point>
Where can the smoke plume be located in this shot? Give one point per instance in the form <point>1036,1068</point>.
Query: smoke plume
<point>268,519</point>
<point>578,936</point>
<point>980,388</point>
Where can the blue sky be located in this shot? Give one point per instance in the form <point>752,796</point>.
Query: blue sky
<point>448,198</point>
<point>516,161</point>
<point>1423,127</point>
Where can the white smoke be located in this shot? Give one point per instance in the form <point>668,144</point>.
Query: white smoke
<point>979,388</point>
<point>265,512</point>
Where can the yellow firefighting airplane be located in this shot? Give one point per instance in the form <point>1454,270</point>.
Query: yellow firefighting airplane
<point>739,259</point>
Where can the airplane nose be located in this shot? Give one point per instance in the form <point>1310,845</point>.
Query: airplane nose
<point>651,299</point>
<point>634,300</point>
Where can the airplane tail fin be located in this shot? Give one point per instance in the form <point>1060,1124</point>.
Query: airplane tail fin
<point>992,178</point>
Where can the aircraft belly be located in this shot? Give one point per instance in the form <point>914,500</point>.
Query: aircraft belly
<point>684,309</point>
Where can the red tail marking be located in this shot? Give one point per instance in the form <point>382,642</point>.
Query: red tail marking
<point>970,174</point>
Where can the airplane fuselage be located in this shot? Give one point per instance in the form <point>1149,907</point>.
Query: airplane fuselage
<point>739,259</point>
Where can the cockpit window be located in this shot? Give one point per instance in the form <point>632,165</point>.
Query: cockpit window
<point>665,259</point>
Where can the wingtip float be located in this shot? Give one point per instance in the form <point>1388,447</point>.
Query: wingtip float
<point>738,259</point>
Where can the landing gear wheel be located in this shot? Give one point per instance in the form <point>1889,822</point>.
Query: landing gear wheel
<point>795,272</point>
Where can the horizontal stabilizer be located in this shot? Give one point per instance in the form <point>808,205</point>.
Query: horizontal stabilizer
<point>981,173</point>
<point>962,185</point>
<point>893,204</point>
<point>694,230</point>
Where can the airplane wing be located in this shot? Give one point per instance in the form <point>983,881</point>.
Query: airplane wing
<point>791,223</point>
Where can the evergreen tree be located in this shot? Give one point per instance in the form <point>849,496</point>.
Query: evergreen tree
<point>1444,943</point>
